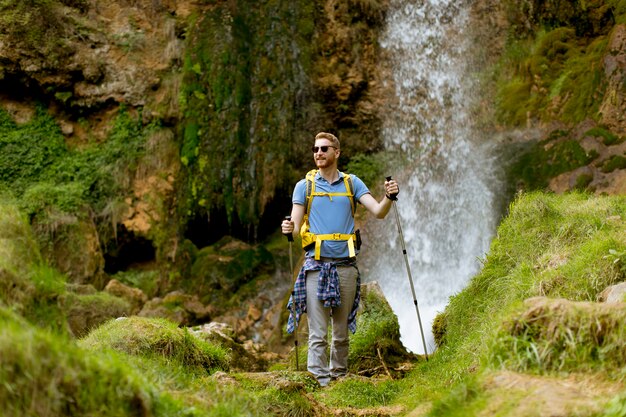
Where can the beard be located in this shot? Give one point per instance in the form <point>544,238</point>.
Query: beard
<point>324,162</point>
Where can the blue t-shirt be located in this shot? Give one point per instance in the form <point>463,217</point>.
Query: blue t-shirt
<point>330,214</point>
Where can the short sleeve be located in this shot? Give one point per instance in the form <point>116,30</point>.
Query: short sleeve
<point>299,193</point>
<point>360,189</point>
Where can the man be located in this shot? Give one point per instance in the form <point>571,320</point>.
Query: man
<point>328,285</point>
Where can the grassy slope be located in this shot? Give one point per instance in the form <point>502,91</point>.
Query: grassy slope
<point>561,247</point>
<point>568,247</point>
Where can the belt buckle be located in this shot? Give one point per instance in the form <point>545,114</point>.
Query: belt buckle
<point>336,236</point>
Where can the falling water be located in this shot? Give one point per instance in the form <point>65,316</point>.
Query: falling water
<point>447,204</point>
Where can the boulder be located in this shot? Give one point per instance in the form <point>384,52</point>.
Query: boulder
<point>614,294</point>
<point>135,297</point>
<point>178,307</point>
<point>245,357</point>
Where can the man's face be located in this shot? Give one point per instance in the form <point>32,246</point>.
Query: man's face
<point>328,158</point>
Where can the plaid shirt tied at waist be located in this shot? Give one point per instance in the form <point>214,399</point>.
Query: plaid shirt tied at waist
<point>327,290</point>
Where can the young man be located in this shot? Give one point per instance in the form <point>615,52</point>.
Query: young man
<point>328,285</point>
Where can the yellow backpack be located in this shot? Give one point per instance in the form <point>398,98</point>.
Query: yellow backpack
<point>309,238</point>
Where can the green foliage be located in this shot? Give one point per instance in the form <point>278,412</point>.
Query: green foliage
<point>46,201</point>
<point>371,168</point>
<point>160,338</point>
<point>554,71</point>
<point>608,138</point>
<point>29,151</point>
<point>613,163</point>
<point>549,158</point>
<point>58,187</point>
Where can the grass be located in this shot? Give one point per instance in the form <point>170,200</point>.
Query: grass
<point>563,247</point>
<point>556,247</point>
<point>360,393</point>
<point>158,337</point>
<point>50,376</point>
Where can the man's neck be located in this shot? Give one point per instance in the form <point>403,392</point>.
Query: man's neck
<point>330,174</point>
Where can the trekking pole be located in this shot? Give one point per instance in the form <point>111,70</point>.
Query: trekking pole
<point>394,198</point>
<point>293,295</point>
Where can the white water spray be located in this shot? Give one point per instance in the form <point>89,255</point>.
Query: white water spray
<point>447,203</point>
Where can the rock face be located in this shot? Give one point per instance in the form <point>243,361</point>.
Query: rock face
<point>234,88</point>
<point>613,107</point>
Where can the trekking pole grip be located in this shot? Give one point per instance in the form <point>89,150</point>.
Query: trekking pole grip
<point>289,235</point>
<point>394,196</point>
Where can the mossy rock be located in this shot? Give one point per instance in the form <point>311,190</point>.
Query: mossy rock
<point>613,163</point>
<point>376,344</point>
<point>439,329</point>
<point>572,336</point>
<point>86,312</point>
<point>222,269</point>
<point>160,338</point>
<point>549,158</point>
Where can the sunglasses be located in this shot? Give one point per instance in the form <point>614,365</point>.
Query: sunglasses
<point>324,149</point>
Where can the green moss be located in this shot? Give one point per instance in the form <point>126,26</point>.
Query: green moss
<point>27,285</point>
<point>377,336</point>
<point>227,268</point>
<point>583,181</point>
<point>146,281</point>
<point>439,329</point>
<point>547,159</point>
<point>554,72</point>
<point>86,312</point>
<point>160,338</point>
<point>613,163</point>
<point>608,138</point>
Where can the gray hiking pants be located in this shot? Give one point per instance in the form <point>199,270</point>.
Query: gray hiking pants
<point>318,318</point>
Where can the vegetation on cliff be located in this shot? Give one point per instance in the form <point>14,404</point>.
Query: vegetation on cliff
<point>552,66</point>
<point>559,71</point>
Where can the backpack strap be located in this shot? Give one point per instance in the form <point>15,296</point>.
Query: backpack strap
<point>309,238</point>
<point>310,191</point>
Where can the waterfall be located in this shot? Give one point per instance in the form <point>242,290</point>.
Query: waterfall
<point>448,200</point>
